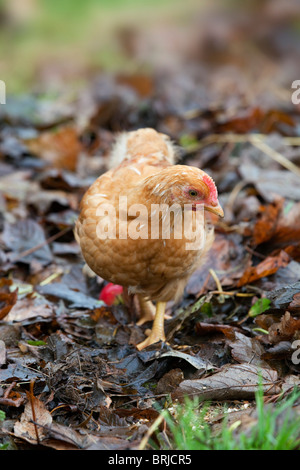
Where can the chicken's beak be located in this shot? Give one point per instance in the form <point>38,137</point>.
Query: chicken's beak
<point>215,209</point>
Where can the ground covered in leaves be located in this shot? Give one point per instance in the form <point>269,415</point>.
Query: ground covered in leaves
<point>71,376</point>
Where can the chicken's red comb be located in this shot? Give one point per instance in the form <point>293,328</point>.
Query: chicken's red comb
<point>212,187</point>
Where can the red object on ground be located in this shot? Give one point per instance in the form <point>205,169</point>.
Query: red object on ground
<point>110,293</point>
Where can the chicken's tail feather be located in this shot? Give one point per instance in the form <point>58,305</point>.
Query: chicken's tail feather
<point>142,143</point>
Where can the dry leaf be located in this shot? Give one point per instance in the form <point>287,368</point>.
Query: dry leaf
<point>266,225</point>
<point>247,350</point>
<point>285,329</point>
<point>61,149</point>
<point>288,226</point>
<point>203,328</point>
<point>29,307</point>
<point>267,267</point>
<point>234,382</point>
<point>7,301</point>
<point>25,428</point>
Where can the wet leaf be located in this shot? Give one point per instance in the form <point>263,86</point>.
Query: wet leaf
<point>26,239</point>
<point>283,296</point>
<point>75,298</point>
<point>19,372</point>
<point>194,361</point>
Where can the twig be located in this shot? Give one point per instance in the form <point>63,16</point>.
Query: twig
<point>258,141</point>
<point>292,141</point>
<point>40,245</point>
<point>50,278</point>
<point>283,161</point>
<point>232,197</point>
<point>242,138</point>
<point>255,253</point>
<point>219,287</point>
<point>86,420</point>
<point>237,294</point>
<point>151,430</point>
<point>31,399</point>
<point>216,279</point>
<point>9,389</point>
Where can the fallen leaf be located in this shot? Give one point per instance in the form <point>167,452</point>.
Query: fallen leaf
<point>203,328</point>
<point>112,443</point>
<point>247,350</point>
<point>12,398</point>
<point>75,298</point>
<point>281,350</point>
<point>266,224</point>
<point>60,149</point>
<point>196,362</point>
<point>170,381</point>
<point>19,372</point>
<point>142,84</point>
<point>25,428</point>
<point>260,306</point>
<point>26,238</point>
<point>29,307</point>
<point>285,329</point>
<point>245,121</point>
<point>7,301</point>
<point>295,304</point>
<point>60,437</point>
<point>229,261</point>
<point>267,267</point>
<point>288,226</point>
<point>293,251</point>
<point>272,184</point>
<point>234,382</point>
<point>282,297</point>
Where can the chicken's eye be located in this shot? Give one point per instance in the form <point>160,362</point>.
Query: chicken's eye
<point>193,193</point>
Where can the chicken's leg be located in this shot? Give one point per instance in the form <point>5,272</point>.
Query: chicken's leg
<point>157,332</point>
<point>147,310</point>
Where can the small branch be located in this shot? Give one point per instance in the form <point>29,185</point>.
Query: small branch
<point>151,430</point>
<point>283,161</point>
<point>31,399</point>
<point>258,141</point>
<point>40,245</point>
<point>219,287</point>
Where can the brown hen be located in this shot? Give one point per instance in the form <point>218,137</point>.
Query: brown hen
<point>144,225</point>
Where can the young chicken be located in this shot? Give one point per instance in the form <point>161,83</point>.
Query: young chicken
<point>138,219</point>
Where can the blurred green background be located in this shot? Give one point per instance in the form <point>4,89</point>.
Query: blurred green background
<point>48,45</point>
<point>45,42</point>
